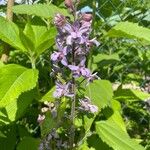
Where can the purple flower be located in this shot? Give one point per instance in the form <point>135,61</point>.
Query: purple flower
<point>86,105</point>
<point>93,42</point>
<point>60,56</point>
<point>79,71</point>
<point>62,90</point>
<point>92,77</point>
<point>59,20</point>
<point>77,33</point>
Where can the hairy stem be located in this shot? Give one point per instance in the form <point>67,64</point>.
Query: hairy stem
<point>73,104</point>
<point>9,13</point>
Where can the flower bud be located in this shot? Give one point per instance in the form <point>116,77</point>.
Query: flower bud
<point>41,118</point>
<point>44,109</point>
<point>59,20</point>
<point>87,17</point>
<point>69,3</point>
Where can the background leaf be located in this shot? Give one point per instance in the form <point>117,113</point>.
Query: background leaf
<point>28,143</point>
<point>15,109</point>
<point>41,10</point>
<point>39,37</point>
<point>9,33</point>
<point>14,80</point>
<point>130,95</point>
<point>100,92</point>
<point>116,138</point>
<point>130,30</point>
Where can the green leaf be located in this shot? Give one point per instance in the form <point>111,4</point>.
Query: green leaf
<point>95,142</point>
<point>8,137</point>
<point>1,64</point>
<point>130,30</point>
<point>117,119</point>
<point>116,138</point>
<point>88,123</point>
<point>28,143</point>
<point>130,95</point>
<point>39,37</point>
<point>41,10</point>
<point>14,80</point>
<point>9,33</point>
<point>101,57</point>
<point>15,109</point>
<point>100,92</point>
<point>49,96</point>
<point>48,124</point>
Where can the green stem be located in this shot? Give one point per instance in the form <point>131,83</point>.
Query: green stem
<point>33,63</point>
<point>33,66</point>
<point>73,104</point>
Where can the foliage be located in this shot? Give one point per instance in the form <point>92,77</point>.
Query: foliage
<point>121,95</point>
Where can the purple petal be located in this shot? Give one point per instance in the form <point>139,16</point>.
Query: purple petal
<point>73,68</point>
<point>64,61</point>
<point>58,93</point>
<point>93,108</point>
<point>74,35</point>
<point>68,28</point>
<point>85,72</point>
<point>55,56</point>
<point>94,42</point>
<point>69,40</point>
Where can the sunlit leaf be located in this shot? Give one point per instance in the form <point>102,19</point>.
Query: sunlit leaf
<point>116,138</point>
<point>14,80</point>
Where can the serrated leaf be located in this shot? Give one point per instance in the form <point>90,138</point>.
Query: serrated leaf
<point>130,95</point>
<point>117,119</point>
<point>14,80</point>
<point>130,30</point>
<point>95,142</point>
<point>100,92</point>
<point>9,33</point>
<point>41,10</point>
<point>15,109</point>
<point>116,138</point>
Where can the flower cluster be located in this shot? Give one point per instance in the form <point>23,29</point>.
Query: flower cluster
<point>51,107</point>
<point>86,105</point>
<point>73,45</point>
<point>53,137</point>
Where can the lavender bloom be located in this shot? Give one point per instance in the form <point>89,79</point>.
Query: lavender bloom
<point>73,44</point>
<point>92,77</point>
<point>79,71</point>
<point>86,105</point>
<point>59,56</point>
<point>77,33</point>
<point>62,90</point>
<point>92,42</point>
